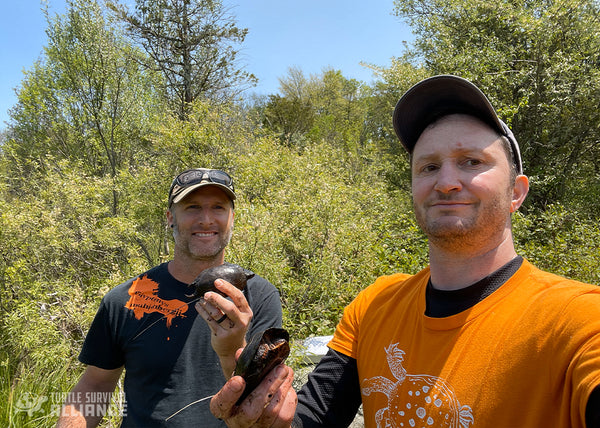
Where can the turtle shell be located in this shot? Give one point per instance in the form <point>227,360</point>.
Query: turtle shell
<point>265,351</point>
<point>230,272</point>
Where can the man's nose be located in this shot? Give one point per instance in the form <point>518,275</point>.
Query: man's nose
<point>448,178</point>
<point>205,217</point>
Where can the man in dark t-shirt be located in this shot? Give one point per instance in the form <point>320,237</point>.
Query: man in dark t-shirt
<point>173,354</point>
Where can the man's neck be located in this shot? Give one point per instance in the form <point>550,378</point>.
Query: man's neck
<point>185,270</point>
<point>453,270</point>
<point>445,303</point>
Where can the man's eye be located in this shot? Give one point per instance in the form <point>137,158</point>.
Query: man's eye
<point>473,162</point>
<point>429,168</point>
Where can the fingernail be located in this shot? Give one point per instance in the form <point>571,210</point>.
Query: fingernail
<point>237,386</point>
<point>280,371</point>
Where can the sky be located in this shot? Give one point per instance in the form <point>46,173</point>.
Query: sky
<point>311,35</point>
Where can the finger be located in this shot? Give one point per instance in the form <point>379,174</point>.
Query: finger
<point>202,311</point>
<point>236,307</point>
<point>236,295</point>
<point>280,411</point>
<point>221,319</point>
<point>288,409</point>
<point>213,315</point>
<point>238,353</point>
<point>217,306</point>
<point>285,414</point>
<point>221,303</point>
<point>223,403</point>
<point>209,310</point>
<point>253,406</point>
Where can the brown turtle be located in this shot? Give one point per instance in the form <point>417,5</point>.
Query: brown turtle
<point>265,351</point>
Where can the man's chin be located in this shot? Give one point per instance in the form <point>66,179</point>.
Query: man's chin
<point>447,226</point>
<point>205,254</point>
<point>448,233</point>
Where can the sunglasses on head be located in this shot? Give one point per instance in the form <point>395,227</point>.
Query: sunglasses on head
<point>195,176</point>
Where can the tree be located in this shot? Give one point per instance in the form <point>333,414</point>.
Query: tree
<point>327,107</point>
<point>291,115</point>
<point>191,42</point>
<point>539,62</point>
<point>385,93</point>
<point>290,118</point>
<point>340,106</point>
<point>86,101</point>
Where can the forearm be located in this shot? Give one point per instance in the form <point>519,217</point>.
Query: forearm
<point>81,411</point>
<point>89,400</point>
<point>331,396</point>
<point>73,415</point>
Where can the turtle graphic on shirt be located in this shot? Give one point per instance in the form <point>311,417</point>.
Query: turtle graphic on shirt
<point>416,400</point>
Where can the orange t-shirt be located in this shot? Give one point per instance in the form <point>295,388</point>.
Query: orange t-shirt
<point>527,356</point>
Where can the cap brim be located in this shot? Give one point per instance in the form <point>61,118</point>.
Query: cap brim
<point>435,97</point>
<point>190,189</point>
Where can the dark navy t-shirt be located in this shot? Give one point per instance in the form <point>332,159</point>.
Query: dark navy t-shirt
<point>148,325</point>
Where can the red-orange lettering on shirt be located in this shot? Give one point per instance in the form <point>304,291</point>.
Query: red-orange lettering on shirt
<point>144,300</point>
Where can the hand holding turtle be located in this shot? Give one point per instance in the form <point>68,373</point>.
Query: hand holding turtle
<point>271,404</point>
<point>228,320</point>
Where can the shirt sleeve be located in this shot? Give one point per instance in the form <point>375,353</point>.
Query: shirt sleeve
<point>265,303</point>
<point>331,396</point>
<point>576,336</point>
<point>346,335</point>
<point>100,347</point>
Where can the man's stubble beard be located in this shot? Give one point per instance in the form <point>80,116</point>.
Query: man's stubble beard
<point>467,232</point>
<point>204,254</point>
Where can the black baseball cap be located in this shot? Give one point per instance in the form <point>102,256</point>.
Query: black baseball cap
<point>438,96</point>
<point>193,179</point>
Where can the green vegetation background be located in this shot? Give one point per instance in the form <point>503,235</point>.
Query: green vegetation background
<point>324,193</point>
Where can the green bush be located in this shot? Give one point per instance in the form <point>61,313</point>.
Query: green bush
<point>320,222</point>
<point>561,241</point>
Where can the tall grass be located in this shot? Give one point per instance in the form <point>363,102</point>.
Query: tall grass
<point>35,394</point>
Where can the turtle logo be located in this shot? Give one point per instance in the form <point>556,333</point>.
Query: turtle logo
<point>30,403</point>
<point>416,400</point>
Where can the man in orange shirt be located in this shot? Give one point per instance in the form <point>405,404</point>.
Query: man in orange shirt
<point>479,338</point>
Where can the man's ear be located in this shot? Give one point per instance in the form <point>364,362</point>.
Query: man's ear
<point>520,190</point>
<point>169,218</point>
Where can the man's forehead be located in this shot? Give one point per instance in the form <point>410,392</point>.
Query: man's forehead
<point>460,123</point>
<point>459,133</point>
<point>460,120</point>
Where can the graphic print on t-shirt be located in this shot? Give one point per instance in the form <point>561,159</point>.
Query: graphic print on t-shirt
<point>144,300</point>
<point>415,400</point>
